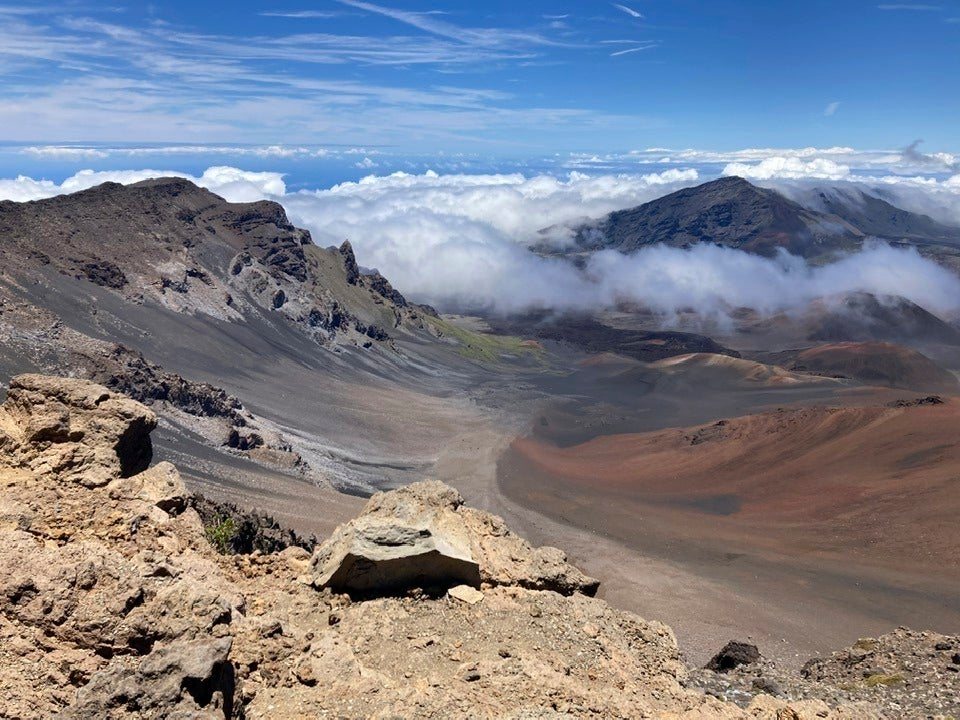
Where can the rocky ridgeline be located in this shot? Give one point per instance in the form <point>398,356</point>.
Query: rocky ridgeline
<point>114,604</point>
<point>182,248</point>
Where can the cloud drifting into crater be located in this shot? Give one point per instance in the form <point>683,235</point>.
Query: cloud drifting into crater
<point>461,242</point>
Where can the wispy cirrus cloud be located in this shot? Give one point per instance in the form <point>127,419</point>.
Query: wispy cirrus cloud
<point>831,109</point>
<point>629,11</point>
<point>482,37</point>
<point>299,14</point>
<point>24,9</point>
<point>102,77</point>
<point>74,152</point>
<point>637,48</point>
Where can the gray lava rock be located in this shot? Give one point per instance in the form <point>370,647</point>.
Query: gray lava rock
<point>188,679</point>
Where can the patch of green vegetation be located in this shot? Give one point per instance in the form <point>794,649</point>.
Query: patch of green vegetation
<point>220,534</point>
<point>865,644</point>
<point>882,679</point>
<point>484,347</point>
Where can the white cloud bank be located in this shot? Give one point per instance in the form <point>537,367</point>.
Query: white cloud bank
<point>790,168</point>
<point>461,241</point>
<point>712,280</point>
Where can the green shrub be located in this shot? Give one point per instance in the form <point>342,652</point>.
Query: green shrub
<point>221,533</point>
<point>881,679</point>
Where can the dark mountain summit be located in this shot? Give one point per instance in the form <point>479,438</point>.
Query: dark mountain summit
<point>168,242</point>
<point>734,213</point>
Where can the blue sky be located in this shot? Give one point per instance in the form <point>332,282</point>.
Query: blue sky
<point>497,78</point>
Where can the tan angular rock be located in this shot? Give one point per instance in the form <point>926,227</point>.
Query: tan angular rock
<point>76,429</point>
<point>465,593</point>
<point>377,555</point>
<point>422,535</point>
<point>161,485</point>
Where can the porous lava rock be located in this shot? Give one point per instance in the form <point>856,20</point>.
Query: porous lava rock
<point>733,654</point>
<point>75,428</point>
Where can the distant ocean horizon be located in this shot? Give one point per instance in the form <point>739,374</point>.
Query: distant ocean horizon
<point>320,167</point>
<point>304,167</point>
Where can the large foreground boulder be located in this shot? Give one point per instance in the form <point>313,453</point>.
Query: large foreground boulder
<point>423,536</point>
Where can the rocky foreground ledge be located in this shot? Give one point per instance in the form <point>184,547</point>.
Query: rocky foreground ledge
<point>114,604</point>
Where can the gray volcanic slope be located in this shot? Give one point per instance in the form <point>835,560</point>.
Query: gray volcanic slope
<point>270,359</point>
<point>734,213</point>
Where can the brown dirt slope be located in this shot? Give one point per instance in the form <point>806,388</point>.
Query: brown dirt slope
<point>113,605</point>
<point>878,363</point>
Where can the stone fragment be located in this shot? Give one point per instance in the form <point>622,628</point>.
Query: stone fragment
<point>466,594</point>
<point>590,630</point>
<point>161,485</point>
<point>184,679</point>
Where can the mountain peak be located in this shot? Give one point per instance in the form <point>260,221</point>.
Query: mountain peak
<point>728,211</point>
<point>733,212</point>
<point>729,181</point>
<point>171,184</point>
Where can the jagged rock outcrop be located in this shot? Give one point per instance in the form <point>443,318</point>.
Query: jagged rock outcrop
<point>105,605</point>
<point>77,429</point>
<point>128,372</point>
<point>380,285</point>
<point>423,536</point>
<point>114,605</point>
<point>182,248</point>
<point>350,266</point>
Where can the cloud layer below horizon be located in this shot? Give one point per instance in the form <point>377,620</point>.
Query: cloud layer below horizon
<point>461,241</point>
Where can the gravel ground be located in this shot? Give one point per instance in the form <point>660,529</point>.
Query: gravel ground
<point>908,674</point>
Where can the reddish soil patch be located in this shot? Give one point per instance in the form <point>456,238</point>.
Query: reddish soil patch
<point>875,484</point>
